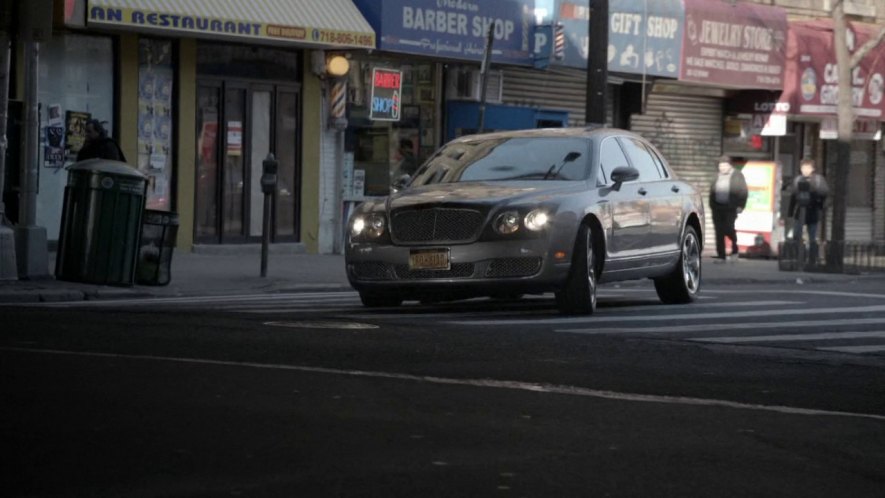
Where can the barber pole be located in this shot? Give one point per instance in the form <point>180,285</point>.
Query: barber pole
<point>338,100</point>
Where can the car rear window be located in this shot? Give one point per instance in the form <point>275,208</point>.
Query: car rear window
<point>504,159</point>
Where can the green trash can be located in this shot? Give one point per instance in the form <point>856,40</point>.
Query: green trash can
<point>158,233</point>
<point>101,223</point>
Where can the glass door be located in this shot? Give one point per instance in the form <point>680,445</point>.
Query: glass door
<point>208,124</point>
<point>287,145</point>
<point>234,176</point>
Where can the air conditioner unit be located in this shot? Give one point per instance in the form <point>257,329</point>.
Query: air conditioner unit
<point>464,84</point>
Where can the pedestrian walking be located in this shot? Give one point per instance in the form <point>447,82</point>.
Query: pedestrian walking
<point>728,197</point>
<point>807,196</point>
<point>98,144</point>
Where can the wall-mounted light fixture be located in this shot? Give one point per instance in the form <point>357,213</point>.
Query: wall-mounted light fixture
<point>337,65</point>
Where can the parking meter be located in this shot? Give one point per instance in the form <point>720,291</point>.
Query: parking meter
<point>269,174</point>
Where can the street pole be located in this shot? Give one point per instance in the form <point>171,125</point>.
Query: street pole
<point>269,167</point>
<point>597,63</point>
<point>483,71</point>
<point>8,265</point>
<point>32,253</point>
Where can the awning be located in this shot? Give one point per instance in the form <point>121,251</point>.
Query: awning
<point>314,23</point>
<point>811,86</point>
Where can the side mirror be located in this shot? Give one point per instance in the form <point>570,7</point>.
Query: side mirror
<point>623,174</point>
<point>400,183</point>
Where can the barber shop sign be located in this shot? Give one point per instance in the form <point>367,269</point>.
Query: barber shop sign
<point>386,94</point>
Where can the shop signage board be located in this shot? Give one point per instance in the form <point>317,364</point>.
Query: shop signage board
<point>811,85</point>
<point>739,45</point>
<point>454,29</point>
<point>758,217</point>
<point>645,36</point>
<point>386,103</point>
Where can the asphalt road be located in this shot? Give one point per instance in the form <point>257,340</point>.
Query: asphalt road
<point>752,391</point>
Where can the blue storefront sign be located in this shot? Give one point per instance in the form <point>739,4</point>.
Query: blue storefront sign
<point>645,36</point>
<point>453,29</point>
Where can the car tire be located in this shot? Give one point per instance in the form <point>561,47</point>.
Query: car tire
<point>377,300</point>
<point>683,284</point>
<point>578,297</point>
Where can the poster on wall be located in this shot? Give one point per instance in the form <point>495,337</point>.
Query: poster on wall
<point>758,217</point>
<point>155,133</point>
<point>75,133</point>
<point>386,94</point>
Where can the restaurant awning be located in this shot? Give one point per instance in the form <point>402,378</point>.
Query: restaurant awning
<point>313,23</point>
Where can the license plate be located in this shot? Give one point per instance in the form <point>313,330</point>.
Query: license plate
<point>431,259</point>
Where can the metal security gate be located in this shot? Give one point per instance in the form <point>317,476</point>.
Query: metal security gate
<point>556,88</point>
<point>687,129</point>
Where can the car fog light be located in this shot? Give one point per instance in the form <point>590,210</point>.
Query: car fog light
<point>507,222</point>
<point>536,220</point>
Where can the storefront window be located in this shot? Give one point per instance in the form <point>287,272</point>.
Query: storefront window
<point>76,83</point>
<point>740,136</point>
<point>156,76</point>
<point>379,152</point>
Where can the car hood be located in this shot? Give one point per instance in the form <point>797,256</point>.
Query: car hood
<point>484,193</point>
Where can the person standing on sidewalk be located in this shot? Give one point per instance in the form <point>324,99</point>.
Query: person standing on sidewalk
<point>728,197</point>
<point>807,196</point>
<point>98,144</point>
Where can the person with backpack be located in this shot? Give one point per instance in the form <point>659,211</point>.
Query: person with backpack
<point>807,196</point>
<point>728,197</point>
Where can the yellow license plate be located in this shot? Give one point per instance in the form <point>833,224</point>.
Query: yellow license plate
<point>433,259</point>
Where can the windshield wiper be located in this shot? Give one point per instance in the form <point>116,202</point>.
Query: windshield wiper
<point>571,156</point>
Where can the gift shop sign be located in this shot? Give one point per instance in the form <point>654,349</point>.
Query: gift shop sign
<point>741,45</point>
<point>812,77</point>
<point>386,94</point>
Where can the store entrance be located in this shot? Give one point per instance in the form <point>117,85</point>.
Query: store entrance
<point>238,124</point>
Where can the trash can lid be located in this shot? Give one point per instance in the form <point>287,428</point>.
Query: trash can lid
<point>107,166</point>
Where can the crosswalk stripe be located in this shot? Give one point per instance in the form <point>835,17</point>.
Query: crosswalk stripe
<point>855,349</point>
<point>195,299</point>
<point>714,327</point>
<point>823,336</point>
<point>606,318</point>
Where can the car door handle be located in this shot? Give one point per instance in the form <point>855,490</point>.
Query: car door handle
<point>674,188</point>
<point>642,191</point>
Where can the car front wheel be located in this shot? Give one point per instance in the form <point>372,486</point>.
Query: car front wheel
<point>579,294</point>
<point>683,284</point>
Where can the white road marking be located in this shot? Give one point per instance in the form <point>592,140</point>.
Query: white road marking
<point>713,327</point>
<point>240,298</point>
<point>856,349</point>
<point>606,317</point>
<point>481,383</point>
<point>823,336</point>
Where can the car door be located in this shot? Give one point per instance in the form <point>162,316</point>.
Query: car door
<point>627,206</point>
<point>664,204</point>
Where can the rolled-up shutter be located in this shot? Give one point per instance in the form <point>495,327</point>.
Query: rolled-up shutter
<point>557,88</point>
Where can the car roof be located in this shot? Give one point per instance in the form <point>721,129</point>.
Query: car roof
<point>577,132</point>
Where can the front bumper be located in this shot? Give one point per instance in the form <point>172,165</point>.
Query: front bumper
<point>479,268</point>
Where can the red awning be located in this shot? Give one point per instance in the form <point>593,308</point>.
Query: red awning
<point>810,80</point>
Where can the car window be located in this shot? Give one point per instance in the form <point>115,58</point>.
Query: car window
<point>611,156</point>
<point>641,159</point>
<point>658,161</point>
<point>509,158</point>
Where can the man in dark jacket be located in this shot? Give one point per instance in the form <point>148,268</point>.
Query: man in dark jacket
<point>98,145</point>
<point>728,197</point>
<point>807,195</point>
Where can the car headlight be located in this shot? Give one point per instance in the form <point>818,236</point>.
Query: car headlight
<point>369,226</point>
<point>507,222</point>
<point>536,220</point>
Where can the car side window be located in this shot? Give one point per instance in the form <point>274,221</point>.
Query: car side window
<point>611,156</point>
<point>658,161</point>
<point>642,159</point>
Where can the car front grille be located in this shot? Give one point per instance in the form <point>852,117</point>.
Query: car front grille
<point>513,267</point>
<point>458,270</point>
<point>441,225</point>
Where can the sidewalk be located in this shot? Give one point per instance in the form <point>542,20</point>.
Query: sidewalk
<point>200,274</point>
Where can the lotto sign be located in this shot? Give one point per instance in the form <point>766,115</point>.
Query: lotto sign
<point>386,93</point>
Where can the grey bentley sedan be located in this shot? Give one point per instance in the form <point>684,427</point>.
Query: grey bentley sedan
<point>530,212</point>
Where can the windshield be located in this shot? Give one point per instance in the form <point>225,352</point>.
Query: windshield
<point>501,159</point>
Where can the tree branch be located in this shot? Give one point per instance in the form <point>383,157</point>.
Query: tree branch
<point>864,49</point>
